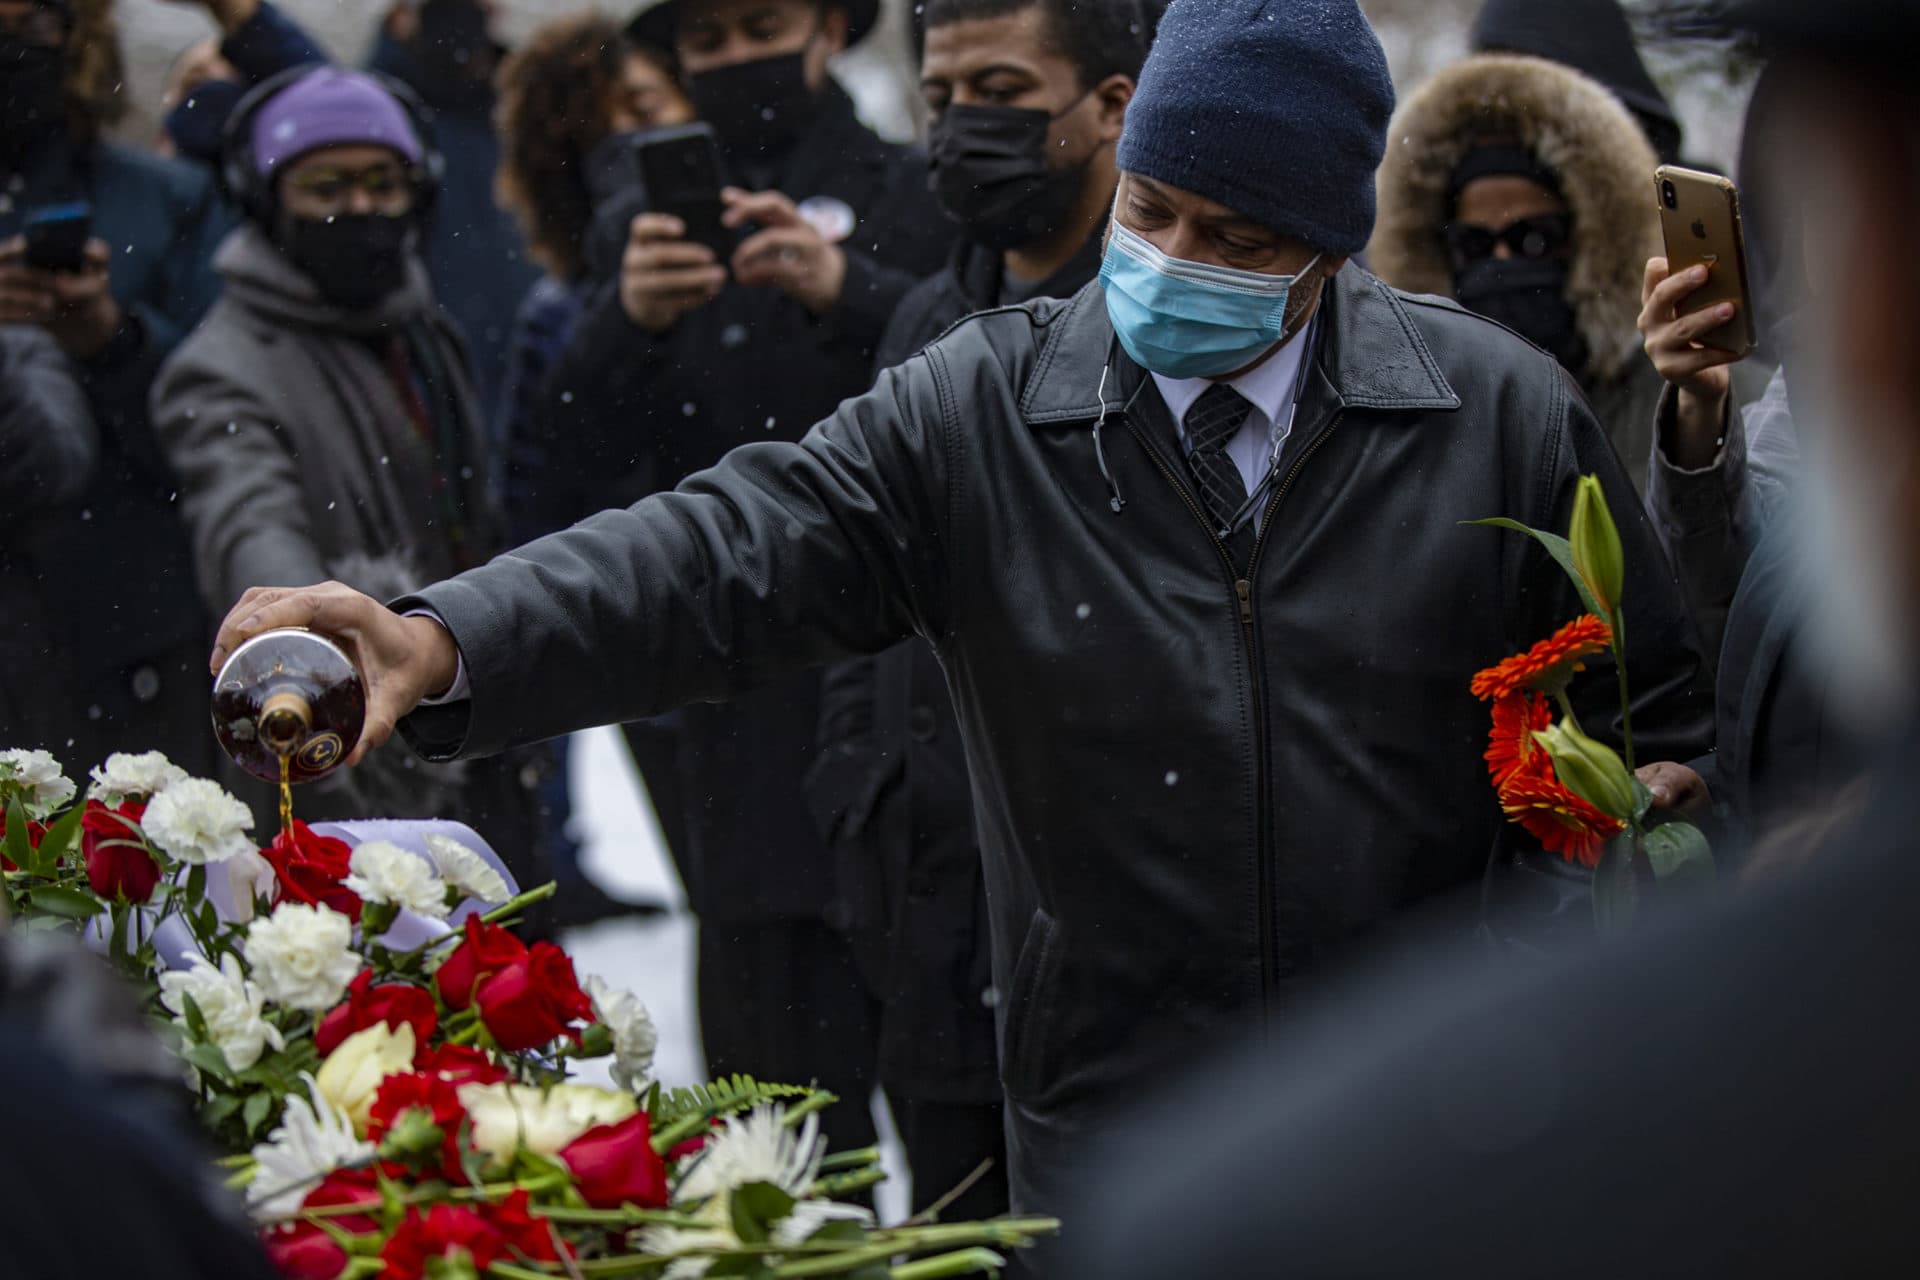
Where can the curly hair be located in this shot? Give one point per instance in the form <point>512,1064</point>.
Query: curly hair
<point>556,92</point>
<point>96,72</point>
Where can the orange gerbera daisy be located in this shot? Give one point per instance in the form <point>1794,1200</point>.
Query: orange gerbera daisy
<point>1511,748</point>
<point>1549,664</point>
<point>1561,821</point>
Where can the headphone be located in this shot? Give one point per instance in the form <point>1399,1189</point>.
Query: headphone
<point>252,192</point>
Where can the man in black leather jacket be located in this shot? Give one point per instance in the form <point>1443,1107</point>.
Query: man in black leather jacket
<point>1203,767</point>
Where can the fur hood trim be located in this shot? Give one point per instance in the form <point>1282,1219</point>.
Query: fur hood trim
<point>1571,125</point>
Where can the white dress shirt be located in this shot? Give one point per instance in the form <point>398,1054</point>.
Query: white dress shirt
<point>1271,388</point>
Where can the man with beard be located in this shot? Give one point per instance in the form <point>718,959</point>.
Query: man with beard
<point>695,349</point>
<point>1027,99</point>
<point>322,419</point>
<point>1732,1091</point>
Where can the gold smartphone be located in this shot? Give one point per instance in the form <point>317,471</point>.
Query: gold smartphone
<point>1700,220</point>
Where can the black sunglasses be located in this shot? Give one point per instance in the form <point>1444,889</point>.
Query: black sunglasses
<point>1538,237</point>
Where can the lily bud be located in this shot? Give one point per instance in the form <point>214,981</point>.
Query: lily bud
<point>1589,769</point>
<point>1596,545</point>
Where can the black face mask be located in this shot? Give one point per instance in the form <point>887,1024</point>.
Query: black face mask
<point>354,259</point>
<point>32,96</point>
<point>758,108</point>
<point>990,170</point>
<point>1529,296</point>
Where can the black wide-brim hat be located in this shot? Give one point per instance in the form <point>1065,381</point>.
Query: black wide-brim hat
<point>655,24</point>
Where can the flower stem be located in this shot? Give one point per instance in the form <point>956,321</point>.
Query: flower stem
<point>965,1263</point>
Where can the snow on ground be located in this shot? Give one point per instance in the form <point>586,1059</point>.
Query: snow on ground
<point>654,957</point>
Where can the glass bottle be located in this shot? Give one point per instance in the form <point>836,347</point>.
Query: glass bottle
<point>289,705</point>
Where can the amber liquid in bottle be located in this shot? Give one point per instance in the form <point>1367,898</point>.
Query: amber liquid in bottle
<point>288,706</point>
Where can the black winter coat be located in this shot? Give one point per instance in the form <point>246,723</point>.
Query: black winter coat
<point>638,412</point>
<point>1195,788</point>
<point>891,795</point>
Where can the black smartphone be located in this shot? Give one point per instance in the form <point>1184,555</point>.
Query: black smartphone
<point>683,173</point>
<point>57,236</point>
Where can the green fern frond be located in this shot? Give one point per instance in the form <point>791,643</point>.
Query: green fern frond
<point>679,1114</point>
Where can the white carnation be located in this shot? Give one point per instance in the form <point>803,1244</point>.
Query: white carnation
<point>467,871</point>
<point>228,1004</point>
<point>37,778</point>
<point>302,956</point>
<point>198,822</point>
<point>384,872</point>
<point>313,1139</point>
<point>125,776</point>
<point>634,1037</point>
<point>509,1117</point>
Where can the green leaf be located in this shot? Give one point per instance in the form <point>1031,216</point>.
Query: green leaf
<point>1642,801</point>
<point>209,1059</point>
<point>1680,854</point>
<point>756,1207</point>
<point>258,1107</point>
<point>220,1110</point>
<point>19,850</point>
<point>196,1021</point>
<point>1559,548</point>
<point>1613,888</point>
<point>59,839</point>
<point>68,904</point>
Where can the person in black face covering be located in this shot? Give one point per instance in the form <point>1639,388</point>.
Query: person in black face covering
<point>691,349</point>
<point>1524,189</point>
<point>1027,98</point>
<point>322,419</point>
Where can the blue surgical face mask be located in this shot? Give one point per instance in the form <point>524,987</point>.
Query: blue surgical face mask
<point>1189,319</point>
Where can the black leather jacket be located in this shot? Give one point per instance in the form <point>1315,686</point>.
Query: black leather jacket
<point>1193,787</point>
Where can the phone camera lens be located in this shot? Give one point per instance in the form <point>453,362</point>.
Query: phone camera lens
<point>1669,195</point>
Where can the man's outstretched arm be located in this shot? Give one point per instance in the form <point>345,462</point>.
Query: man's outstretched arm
<point>782,557</point>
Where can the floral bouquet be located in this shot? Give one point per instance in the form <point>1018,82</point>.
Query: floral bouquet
<point>386,1063</point>
<point>1578,797</point>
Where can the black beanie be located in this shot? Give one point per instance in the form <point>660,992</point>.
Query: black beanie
<point>1276,109</point>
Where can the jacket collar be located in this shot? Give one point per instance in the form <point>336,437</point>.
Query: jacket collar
<point>1371,356</point>
<point>258,275</point>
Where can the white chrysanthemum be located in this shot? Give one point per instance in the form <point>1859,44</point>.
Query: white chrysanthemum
<point>228,1004</point>
<point>634,1037</point>
<point>124,776</point>
<point>198,822</point>
<point>384,872</point>
<point>37,777</point>
<point>313,1139</point>
<point>508,1117</point>
<point>758,1147</point>
<point>352,1073</point>
<point>467,871</point>
<point>809,1216</point>
<point>302,956</point>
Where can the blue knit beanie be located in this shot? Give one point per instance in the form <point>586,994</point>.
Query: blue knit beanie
<point>1277,109</point>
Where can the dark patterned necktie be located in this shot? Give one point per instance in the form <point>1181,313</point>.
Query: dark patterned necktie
<point>1216,417</point>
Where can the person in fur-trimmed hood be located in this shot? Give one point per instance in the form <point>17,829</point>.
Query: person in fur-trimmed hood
<point>1522,189</point>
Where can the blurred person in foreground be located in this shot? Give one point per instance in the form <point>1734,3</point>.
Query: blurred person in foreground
<point>690,350</point>
<point>1728,1092</point>
<point>1523,189</point>
<point>1210,662</point>
<point>112,561</point>
<point>322,418</point>
<point>575,84</point>
<point>1027,98</point>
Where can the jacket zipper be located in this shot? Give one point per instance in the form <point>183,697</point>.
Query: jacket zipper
<point>1263,750</point>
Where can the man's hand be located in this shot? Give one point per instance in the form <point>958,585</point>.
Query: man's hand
<point>76,307</point>
<point>1676,788</point>
<point>1699,373</point>
<point>230,14</point>
<point>663,275</point>
<point>788,253</point>
<point>402,660</point>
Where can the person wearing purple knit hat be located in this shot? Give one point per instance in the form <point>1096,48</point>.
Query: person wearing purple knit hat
<point>322,420</point>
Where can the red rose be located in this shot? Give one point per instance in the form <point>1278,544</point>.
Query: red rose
<point>445,1231</point>
<point>531,1001</point>
<point>118,864</point>
<point>615,1165</point>
<point>399,1095</point>
<point>310,869</point>
<point>304,1250</point>
<point>366,1005</point>
<point>488,948</point>
<point>460,1064</point>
